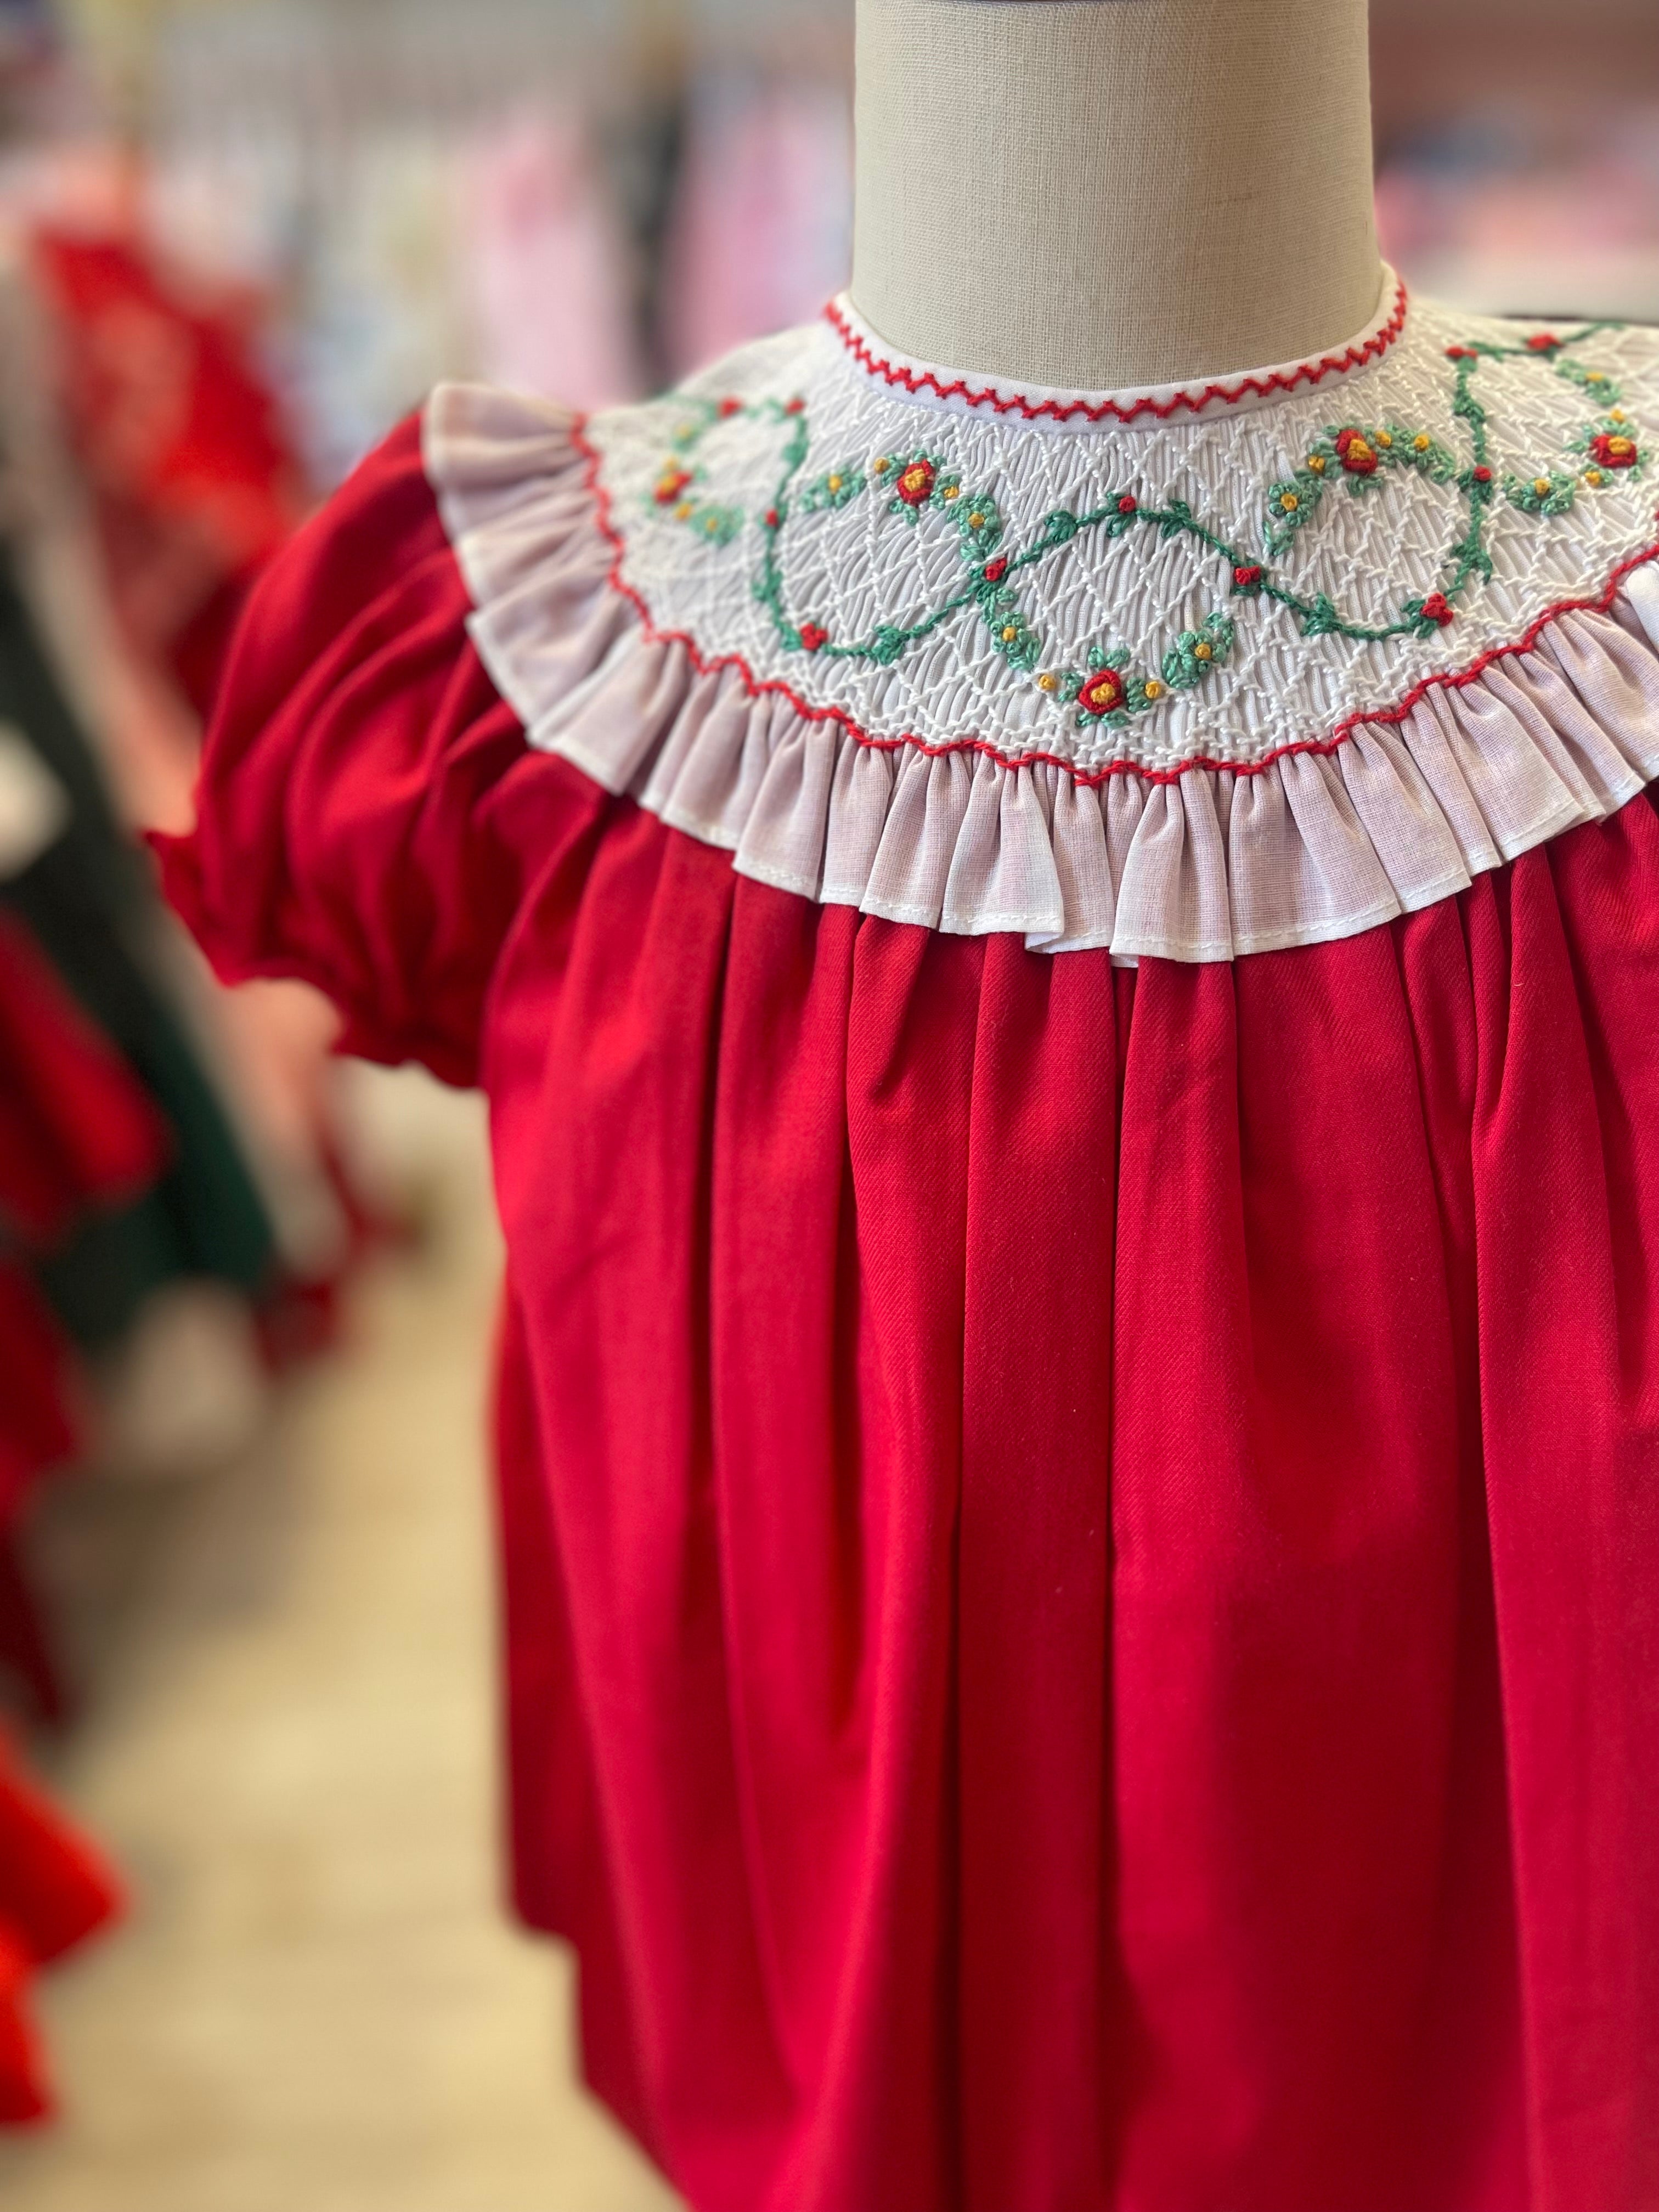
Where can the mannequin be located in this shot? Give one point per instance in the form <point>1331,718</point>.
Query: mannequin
<point>1094,194</point>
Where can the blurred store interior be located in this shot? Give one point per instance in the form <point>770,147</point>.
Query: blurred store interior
<point>246,1291</point>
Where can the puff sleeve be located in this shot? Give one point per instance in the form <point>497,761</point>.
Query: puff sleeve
<point>367,806</point>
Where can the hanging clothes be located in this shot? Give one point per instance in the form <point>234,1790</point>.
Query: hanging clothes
<point>79,1138</point>
<point>761,231</point>
<point>193,482</point>
<point>56,1891</point>
<point>86,900</point>
<point>542,258</point>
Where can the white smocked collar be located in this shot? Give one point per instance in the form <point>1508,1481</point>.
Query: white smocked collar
<point>1254,667</point>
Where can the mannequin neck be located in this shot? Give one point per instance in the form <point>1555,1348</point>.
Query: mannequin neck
<point>1102,193</point>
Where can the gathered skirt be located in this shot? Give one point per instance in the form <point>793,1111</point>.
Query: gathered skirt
<point>1083,1546</point>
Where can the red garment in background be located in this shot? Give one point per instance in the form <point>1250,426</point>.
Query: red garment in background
<point>77,1129</point>
<point>195,485</point>
<point>55,1891</point>
<point>77,1132</point>
<point>1082,1547</point>
<point>39,1430</point>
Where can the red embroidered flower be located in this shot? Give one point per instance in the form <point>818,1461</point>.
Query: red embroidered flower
<point>994,571</point>
<point>1356,452</point>
<point>670,485</point>
<point>1461,353</point>
<point>1437,609</point>
<point>729,408</point>
<point>1128,504</point>
<point>1615,449</point>
<point>813,638</point>
<point>773,520</point>
<point>1246,579</point>
<point>1103,693</point>
<point>796,407</point>
<point>915,486</point>
<point>1481,476</point>
<point>1544,341</point>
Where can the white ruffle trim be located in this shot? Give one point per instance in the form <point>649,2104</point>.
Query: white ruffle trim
<point>1314,845</point>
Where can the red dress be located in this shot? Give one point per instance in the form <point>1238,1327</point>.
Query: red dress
<point>1081,1525</point>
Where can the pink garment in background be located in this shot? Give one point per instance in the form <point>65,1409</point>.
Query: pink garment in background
<point>545,265</point>
<point>762,235</point>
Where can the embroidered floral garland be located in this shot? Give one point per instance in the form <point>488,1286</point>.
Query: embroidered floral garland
<point>1108,689</point>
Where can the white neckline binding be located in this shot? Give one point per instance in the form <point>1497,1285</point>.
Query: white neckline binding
<point>964,392</point>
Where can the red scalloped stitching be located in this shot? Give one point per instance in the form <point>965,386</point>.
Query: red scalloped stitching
<point>1108,410</point>
<point>708,664</point>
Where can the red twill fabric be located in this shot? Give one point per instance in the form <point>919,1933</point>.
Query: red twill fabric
<point>1081,1547</point>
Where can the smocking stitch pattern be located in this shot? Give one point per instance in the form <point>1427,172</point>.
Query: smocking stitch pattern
<point>952,579</point>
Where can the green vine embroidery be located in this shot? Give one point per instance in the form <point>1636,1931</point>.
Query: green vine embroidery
<point>1108,689</point>
<point>1357,457</point>
<point>834,490</point>
<point>675,494</point>
<point>1596,381</point>
<point>1551,495</point>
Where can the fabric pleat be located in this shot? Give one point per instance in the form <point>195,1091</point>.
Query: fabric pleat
<point>1566,1194</point>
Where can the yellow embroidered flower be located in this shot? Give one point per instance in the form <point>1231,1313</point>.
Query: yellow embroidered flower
<point>1048,683</point>
<point>1152,688</point>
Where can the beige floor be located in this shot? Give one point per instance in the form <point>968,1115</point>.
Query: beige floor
<point>317,2006</point>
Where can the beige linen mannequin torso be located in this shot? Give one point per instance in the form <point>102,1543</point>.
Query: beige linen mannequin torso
<point>1101,193</point>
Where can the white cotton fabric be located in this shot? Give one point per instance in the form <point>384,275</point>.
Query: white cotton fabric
<point>910,793</point>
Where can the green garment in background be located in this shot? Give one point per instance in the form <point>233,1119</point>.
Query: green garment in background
<point>89,901</point>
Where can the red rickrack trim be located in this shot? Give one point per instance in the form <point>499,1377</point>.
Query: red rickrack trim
<point>708,664</point>
<point>1192,400</point>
